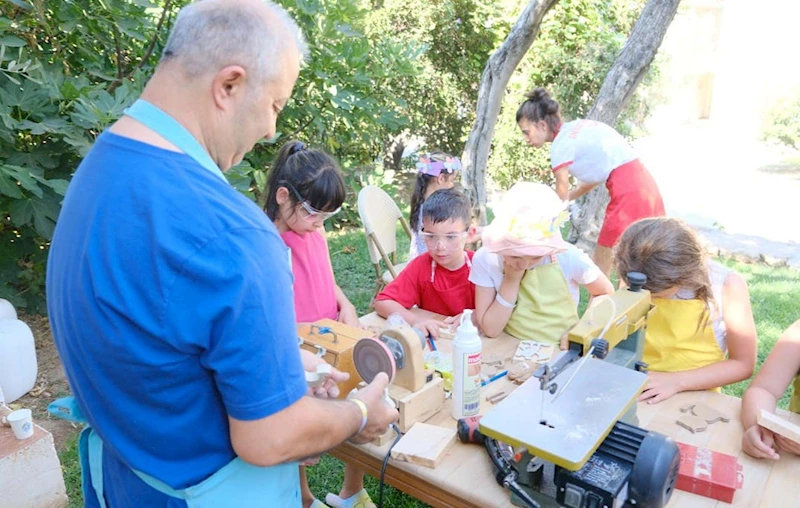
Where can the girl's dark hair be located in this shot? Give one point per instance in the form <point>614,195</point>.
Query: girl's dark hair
<point>540,106</point>
<point>314,174</point>
<point>420,187</point>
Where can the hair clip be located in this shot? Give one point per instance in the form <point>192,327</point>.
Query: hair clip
<point>434,168</point>
<point>297,147</point>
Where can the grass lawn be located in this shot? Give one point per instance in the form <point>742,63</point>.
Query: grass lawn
<point>774,293</point>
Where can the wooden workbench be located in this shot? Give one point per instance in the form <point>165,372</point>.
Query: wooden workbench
<point>465,478</point>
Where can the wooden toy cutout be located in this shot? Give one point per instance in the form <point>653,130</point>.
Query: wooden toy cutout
<point>693,424</point>
<point>424,444</point>
<point>520,372</point>
<point>708,414</point>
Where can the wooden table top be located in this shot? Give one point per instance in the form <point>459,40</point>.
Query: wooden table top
<point>465,477</point>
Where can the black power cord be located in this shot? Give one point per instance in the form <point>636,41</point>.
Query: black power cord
<point>386,462</point>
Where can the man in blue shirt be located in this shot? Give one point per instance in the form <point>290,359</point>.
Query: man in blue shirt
<point>169,293</point>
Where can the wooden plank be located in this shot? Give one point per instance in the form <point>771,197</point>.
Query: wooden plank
<point>779,425</point>
<point>424,445</point>
<point>421,405</point>
<point>782,489</point>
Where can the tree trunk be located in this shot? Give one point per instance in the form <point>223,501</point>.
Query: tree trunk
<point>498,71</point>
<point>621,81</point>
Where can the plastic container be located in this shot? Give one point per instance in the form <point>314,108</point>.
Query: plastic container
<point>7,311</point>
<point>18,367</point>
<point>466,368</point>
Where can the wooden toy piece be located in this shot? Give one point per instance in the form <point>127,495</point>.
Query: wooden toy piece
<point>520,372</point>
<point>446,333</point>
<point>488,370</point>
<point>779,425</point>
<point>493,359</point>
<point>693,424</point>
<point>496,397</point>
<point>424,444</point>
<point>709,414</point>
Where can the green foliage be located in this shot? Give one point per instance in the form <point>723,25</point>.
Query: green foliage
<point>459,36</point>
<point>577,45</point>
<point>68,69</point>
<point>782,121</point>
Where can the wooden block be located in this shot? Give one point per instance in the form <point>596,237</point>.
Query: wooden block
<point>687,407</point>
<point>692,423</point>
<point>424,445</point>
<point>779,425</point>
<point>420,405</point>
<point>384,438</point>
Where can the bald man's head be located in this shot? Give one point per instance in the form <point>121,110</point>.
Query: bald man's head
<point>257,35</point>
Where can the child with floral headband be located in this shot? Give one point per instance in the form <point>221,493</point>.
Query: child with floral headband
<point>526,276</point>
<point>435,171</point>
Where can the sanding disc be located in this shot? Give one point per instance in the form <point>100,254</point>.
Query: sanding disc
<point>370,357</point>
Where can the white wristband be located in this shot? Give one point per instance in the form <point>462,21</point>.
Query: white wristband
<point>502,301</point>
<point>363,408</point>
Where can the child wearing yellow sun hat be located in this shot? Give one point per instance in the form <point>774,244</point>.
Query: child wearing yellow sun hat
<point>526,277</point>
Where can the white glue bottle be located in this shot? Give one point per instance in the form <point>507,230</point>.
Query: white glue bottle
<point>466,368</point>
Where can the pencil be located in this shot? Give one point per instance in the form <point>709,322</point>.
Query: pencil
<point>494,378</point>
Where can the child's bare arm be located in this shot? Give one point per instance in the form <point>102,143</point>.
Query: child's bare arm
<point>600,286</point>
<point>491,315</point>
<point>778,371</point>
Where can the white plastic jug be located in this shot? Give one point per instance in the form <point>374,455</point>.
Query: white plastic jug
<point>7,311</point>
<point>18,367</point>
<point>466,368</point>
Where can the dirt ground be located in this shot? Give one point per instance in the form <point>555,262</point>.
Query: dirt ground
<point>51,383</point>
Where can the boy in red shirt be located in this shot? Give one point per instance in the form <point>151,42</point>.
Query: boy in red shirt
<point>438,280</point>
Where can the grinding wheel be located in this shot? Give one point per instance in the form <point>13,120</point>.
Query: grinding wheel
<point>371,356</point>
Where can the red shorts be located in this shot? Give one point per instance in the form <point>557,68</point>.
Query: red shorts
<point>634,195</point>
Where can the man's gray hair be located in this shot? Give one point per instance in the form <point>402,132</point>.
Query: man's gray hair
<point>209,35</point>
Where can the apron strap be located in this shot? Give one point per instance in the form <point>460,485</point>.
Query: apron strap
<point>95,457</point>
<point>170,129</point>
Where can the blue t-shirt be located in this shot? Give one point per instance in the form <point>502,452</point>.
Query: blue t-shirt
<point>170,302</point>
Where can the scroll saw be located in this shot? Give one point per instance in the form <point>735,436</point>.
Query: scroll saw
<point>576,417</point>
<point>398,351</point>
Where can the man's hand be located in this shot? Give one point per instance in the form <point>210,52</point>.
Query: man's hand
<point>349,316</point>
<point>328,389</point>
<point>379,414</point>
<point>759,442</point>
<point>660,386</point>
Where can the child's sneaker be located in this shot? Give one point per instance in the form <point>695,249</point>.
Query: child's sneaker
<point>359,500</point>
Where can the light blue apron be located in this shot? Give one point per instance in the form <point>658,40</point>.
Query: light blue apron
<point>237,483</point>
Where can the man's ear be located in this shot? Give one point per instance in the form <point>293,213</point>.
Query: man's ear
<point>229,83</point>
<point>282,196</point>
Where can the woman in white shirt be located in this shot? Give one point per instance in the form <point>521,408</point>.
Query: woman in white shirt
<point>593,153</point>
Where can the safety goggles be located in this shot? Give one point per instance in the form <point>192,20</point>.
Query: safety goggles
<point>314,215</point>
<point>449,240</point>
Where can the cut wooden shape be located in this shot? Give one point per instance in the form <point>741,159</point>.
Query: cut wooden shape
<point>779,425</point>
<point>709,414</point>
<point>693,424</point>
<point>687,407</point>
<point>424,444</point>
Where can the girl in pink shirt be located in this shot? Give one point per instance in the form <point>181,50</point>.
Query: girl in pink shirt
<point>305,188</point>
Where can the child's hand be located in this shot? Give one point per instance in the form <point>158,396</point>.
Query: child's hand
<point>660,386</point>
<point>786,445</point>
<point>349,316</point>
<point>759,442</point>
<point>430,326</point>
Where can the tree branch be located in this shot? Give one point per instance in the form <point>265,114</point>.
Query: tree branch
<point>118,50</point>
<point>149,51</point>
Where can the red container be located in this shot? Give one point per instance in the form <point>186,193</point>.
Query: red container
<point>708,473</point>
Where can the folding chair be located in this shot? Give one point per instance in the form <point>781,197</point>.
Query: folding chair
<point>379,214</point>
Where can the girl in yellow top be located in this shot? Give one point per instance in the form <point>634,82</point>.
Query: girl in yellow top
<point>702,335</point>
<point>780,369</point>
